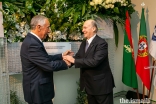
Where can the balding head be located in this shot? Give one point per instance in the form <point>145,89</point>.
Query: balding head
<point>93,23</point>
<point>89,28</point>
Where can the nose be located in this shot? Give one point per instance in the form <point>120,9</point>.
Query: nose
<point>82,30</point>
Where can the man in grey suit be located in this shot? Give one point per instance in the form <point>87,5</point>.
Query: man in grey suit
<point>37,65</point>
<point>92,58</point>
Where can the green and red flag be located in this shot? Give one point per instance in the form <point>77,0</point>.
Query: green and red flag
<point>129,76</point>
<point>143,55</point>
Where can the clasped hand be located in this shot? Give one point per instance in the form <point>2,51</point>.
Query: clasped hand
<point>67,57</point>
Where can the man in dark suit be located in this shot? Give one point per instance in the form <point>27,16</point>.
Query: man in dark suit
<point>92,58</point>
<point>37,65</point>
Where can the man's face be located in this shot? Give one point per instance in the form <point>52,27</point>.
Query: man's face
<point>45,29</point>
<point>88,29</point>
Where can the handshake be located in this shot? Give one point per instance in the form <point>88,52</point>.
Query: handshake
<point>68,57</point>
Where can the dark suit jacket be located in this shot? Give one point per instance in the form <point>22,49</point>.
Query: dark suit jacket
<point>95,74</point>
<point>38,67</point>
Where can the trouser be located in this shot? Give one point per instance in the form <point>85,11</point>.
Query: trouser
<point>100,99</point>
<point>48,102</point>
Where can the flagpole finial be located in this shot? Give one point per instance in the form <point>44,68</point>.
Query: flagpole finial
<point>142,4</point>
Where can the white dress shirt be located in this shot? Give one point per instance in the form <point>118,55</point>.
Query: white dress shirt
<point>91,39</point>
<point>36,36</point>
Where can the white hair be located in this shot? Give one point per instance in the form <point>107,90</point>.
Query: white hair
<point>37,20</point>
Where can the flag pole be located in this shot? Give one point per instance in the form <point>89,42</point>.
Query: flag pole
<point>151,78</point>
<point>137,94</point>
<point>143,4</point>
<point>143,92</point>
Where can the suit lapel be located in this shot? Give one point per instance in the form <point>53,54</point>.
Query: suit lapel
<point>83,48</point>
<point>91,46</point>
<point>29,34</point>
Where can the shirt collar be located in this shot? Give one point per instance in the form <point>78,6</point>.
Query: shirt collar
<point>36,36</point>
<point>91,39</point>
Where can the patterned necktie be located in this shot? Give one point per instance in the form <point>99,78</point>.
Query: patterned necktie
<point>87,45</point>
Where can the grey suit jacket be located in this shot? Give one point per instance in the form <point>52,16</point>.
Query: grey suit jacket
<point>38,67</point>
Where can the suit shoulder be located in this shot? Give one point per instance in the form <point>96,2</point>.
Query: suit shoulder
<point>29,41</point>
<point>101,40</point>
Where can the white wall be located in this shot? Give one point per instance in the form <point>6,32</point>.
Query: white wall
<point>118,63</point>
<point>65,86</point>
<point>150,11</point>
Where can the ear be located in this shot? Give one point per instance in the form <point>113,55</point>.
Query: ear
<point>38,27</point>
<point>94,29</point>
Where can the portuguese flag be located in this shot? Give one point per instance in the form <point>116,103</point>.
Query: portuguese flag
<point>143,55</point>
<point>129,77</point>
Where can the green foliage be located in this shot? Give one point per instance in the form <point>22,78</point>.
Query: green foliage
<point>116,32</point>
<point>113,9</point>
<point>14,98</point>
<point>65,15</point>
<point>82,96</point>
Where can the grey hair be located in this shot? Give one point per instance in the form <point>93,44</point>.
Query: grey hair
<point>94,24</point>
<point>37,20</point>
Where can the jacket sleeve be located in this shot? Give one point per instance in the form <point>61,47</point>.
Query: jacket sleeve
<point>100,54</point>
<point>56,57</point>
<point>39,57</point>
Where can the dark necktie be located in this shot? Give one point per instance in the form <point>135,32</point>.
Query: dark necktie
<point>87,45</point>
